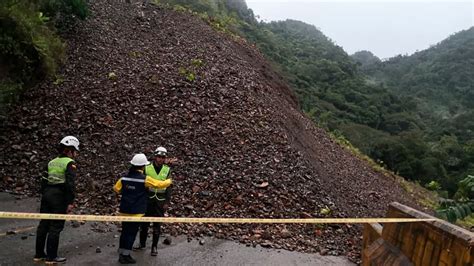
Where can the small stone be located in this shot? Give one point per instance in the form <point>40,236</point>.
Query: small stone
<point>262,185</point>
<point>324,251</point>
<point>285,233</point>
<point>255,237</point>
<point>202,242</point>
<point>205,193</point>
<point>24,237</point>
<point>266,244</point>
<point>11,232</point>
<point>167,241</point>
<point>98,250</point>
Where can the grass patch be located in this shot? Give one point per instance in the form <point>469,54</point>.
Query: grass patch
<point>467,222</point>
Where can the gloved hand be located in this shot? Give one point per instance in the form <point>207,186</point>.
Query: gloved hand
<point>70,207</point>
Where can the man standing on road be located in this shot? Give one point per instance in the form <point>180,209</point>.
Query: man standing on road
<point>57,191</point>
<point>158,199</point>
<point>133,188</point>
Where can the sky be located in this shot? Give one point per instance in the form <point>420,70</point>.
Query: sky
<point>385,27</point>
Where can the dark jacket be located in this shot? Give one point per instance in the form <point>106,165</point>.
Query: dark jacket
<point>134,193</point>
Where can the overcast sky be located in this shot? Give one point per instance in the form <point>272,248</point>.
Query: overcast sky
<point>386,28</point>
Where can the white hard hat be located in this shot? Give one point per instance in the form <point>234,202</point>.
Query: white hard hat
<point>139,160</point>
<point>160,151</point>
<point>70,141</point>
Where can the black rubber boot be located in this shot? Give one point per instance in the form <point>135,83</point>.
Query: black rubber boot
<point>154,250</point>
<point>126,259</point>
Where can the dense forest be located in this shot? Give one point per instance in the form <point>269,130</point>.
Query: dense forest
<point>411,114</point>
<point>440,83</point>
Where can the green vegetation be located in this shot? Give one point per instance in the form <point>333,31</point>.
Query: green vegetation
<point>439,81</point>
<point>467,222</point>
<point>462,206</point>
<point>30,48</point>
<point>411,114</point>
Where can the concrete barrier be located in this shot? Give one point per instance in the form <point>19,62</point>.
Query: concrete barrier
<point>423,243</point>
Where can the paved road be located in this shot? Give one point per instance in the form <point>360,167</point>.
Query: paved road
<point>79,246</point>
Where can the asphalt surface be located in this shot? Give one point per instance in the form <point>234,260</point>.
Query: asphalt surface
<point>83,245</point>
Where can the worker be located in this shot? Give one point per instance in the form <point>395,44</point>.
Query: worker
<point>58,192</point>
<point>132,187</point>
<point>158,199</point>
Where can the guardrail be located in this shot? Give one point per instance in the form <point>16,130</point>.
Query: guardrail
<point>423,243</point>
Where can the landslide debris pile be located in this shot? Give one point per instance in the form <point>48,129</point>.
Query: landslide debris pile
<point>138,76</point>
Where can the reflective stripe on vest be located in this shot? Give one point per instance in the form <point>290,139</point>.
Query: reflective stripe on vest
<point>133,179</point>
<point>57,170</point>
<point>162,176</point>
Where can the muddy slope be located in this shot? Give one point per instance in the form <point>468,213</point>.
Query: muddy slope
<point>141,76</point>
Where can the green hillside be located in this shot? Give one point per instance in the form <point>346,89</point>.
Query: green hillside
<point>412,114</point>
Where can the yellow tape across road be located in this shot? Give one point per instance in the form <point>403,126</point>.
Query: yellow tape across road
<point>99,218</point>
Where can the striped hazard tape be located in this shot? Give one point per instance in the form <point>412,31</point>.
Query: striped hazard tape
<point>105,218</point>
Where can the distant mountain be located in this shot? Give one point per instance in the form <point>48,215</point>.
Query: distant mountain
<point>442,75</point>
<point>366,61</point>
<point>410,113</point>
<point>244,148</point>
<point>440,81</point>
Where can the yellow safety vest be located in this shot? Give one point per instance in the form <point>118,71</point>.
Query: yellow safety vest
<point>162,176</point>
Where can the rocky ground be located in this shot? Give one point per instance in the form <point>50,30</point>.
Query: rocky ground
<point>86,245</point>
<point>141,76</point>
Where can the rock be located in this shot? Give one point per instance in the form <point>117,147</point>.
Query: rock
<point>16,147</point>
<point>11,232</point>
<point>167,241</point>
<point>98,250</point>
<point>285,233</point>
<point>262,185</point>
<point>255,237</point>
<point>112,76</point>
<point>24,237</point>
<point>324,251</point>
<point>202,242</point>
<point>205,193</point>
<point>235,128</point>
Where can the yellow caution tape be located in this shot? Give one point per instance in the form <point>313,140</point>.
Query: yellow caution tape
<point>99,218</point>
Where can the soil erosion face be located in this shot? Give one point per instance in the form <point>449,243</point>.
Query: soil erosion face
<point>138,76</point>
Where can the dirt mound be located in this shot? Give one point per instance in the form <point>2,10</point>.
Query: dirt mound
<point>140,76</point>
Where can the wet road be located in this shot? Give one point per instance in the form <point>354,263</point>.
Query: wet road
<point>80,246</point>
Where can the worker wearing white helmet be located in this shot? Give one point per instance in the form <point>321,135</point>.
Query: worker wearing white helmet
<point>158,199</point>
<point>58,192</point>
<point>133,187</point>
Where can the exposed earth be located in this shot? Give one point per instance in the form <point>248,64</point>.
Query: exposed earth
<point>139,76</point>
